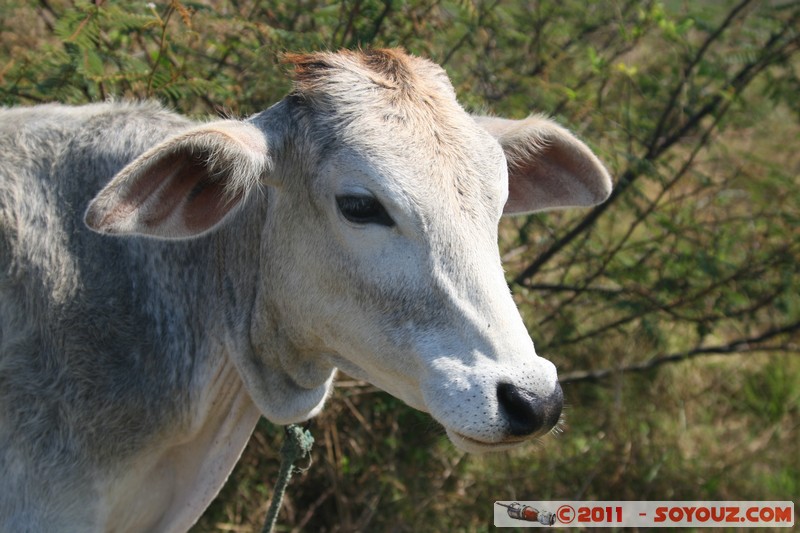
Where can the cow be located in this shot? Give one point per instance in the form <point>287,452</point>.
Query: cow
<point>165,282</point>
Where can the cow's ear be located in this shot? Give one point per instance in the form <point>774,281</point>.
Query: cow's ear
<point>548,167</point>
<point>184,186</point>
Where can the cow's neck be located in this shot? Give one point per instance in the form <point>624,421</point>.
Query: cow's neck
<point>206,293</point>
<point>168,486</point>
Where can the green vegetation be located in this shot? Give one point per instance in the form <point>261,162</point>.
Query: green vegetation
<point>672,311</point>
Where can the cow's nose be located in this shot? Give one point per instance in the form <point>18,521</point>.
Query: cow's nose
<point>527,412</point>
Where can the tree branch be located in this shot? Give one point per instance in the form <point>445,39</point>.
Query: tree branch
<point>687,71</point>
<point>745,270</point>
<point>746,345</point>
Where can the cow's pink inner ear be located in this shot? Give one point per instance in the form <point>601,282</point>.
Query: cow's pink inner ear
<point>558,174</point>
<point>184,186</point>
<point>180,191</point>
<point>159,191</point>
<point>548,167</point>
<point>207,204</point>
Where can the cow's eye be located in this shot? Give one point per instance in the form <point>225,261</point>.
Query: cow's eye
<point>361,209</point>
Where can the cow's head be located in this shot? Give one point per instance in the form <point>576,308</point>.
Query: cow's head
<point>379,244</point>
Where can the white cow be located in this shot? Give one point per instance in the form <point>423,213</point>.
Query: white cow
<point>352,225</point>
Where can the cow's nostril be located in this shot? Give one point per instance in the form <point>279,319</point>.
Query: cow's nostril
<point>526,412</point>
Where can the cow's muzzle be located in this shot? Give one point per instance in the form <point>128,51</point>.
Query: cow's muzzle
<point>527,413</point>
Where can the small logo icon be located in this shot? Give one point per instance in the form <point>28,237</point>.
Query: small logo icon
<point>527,513</point>
<point>565,514</point>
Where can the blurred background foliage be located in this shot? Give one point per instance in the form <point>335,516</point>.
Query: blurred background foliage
<point>672,311</point>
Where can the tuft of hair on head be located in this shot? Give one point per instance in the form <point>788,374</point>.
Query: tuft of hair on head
<point>384,67</point>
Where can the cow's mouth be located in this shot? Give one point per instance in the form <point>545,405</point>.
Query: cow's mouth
<point>471,444</point>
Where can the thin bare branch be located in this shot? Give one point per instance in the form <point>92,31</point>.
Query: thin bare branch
<point>669,108</point>
<point>745,345</point>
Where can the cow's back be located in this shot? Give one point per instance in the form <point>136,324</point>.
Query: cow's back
<point>80,375</point>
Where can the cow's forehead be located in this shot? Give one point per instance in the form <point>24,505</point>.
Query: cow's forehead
<point>400,114</point>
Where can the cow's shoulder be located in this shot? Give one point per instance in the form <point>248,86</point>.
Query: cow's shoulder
<point>79,344</point>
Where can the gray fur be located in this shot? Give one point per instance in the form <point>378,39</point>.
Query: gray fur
<point>93,361</point>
